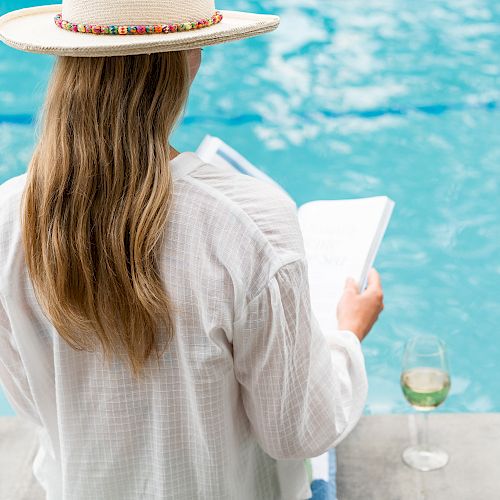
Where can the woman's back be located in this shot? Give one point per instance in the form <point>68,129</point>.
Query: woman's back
<point>183,431</point>
<point>111,252</point>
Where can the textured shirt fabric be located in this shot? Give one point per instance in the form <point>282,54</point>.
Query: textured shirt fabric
<point>248,383</point>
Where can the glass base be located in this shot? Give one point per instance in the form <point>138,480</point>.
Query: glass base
<point>425,459</point>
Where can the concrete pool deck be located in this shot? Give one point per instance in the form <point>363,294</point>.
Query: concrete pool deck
<point>369,465</point>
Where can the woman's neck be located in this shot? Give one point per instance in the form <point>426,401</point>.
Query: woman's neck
<point>173,153</point>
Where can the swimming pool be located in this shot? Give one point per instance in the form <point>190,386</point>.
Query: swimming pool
<point>361,99</point>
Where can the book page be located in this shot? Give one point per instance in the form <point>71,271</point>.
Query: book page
<point>339,237</point>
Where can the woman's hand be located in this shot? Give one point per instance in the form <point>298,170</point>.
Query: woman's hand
<point>358,312</point>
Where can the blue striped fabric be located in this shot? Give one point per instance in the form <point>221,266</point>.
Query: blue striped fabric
<point>321,489</point>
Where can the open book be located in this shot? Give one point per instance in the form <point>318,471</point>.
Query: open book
<point>341,239</point>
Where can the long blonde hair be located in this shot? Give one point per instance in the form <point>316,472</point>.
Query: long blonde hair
<point>95,206</point>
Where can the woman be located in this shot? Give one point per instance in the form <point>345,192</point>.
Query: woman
<point>155,313</point>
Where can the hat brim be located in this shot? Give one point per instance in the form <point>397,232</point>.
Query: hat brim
<point>33,30</point>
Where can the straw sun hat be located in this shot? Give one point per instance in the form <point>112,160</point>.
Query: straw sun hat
<point>126,27</point>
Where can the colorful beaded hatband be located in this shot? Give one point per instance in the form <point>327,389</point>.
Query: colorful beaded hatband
<point>138,29</point>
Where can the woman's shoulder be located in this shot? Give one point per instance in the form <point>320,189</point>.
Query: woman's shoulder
<point>250,225</point>
<point>10,196</point>
<point>12,187</point>
<point>259,207</point>
<point>10,222</point>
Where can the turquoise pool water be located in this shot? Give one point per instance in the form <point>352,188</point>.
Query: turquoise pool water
<point>360,99</point>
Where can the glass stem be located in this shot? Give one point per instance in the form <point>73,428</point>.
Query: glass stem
<point>424,431</point>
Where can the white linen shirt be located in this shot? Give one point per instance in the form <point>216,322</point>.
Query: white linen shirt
<point>248,380</point>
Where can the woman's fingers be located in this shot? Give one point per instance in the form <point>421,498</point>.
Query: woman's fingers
<point>375,287</point>
<point>351,285</point>
<point>374,279</point>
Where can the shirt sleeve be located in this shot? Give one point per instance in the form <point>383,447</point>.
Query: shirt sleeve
<point>13,378</point>
<point>303,389</point>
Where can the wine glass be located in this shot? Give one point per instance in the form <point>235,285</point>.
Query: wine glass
<point>425,382</point>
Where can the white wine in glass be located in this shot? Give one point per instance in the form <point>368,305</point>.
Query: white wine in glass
<point>425,382</point>
<point>425,388</point>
